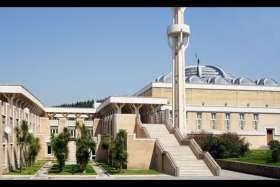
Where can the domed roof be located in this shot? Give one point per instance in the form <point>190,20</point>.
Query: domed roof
<point>206,74</point>
<point>267,82</point>
<point>243,81</point>
<point>218,80</point>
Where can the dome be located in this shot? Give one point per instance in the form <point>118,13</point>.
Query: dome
<point>243,81</point>
<point>218,80</point>
<point>267,82</point>
<point>194,79</point>
<point>206,74</point>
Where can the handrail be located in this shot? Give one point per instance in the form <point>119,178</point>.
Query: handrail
<point>169,157</point>
<point>140,124</point>
<point>208,159</point>
<point>212,164</point>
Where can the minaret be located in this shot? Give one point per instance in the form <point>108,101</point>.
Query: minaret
<point>178,33</point>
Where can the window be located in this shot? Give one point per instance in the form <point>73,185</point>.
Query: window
<point>17,122</point>
<point>213,120</point>
<point>227,121</point>
<point>199,120</point>
<point>72,132</point>
<point>4,126</point>
<point>242,121</point>
<point>90,130</point>
<point>53,130</point>
<point>255,121</point>
<point>49,149</point>
<point>12,128</point>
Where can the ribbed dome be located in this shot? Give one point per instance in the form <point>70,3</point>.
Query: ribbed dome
<point>205,74</point>
<point>243,81</point>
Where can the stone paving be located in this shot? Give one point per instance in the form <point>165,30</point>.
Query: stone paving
<point>99,171</point>
<point>41,175</point>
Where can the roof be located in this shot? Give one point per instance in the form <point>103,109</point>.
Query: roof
<point>207,74</point>
<point>132,100</point>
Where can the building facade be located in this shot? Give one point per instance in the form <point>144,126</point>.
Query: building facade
<point>216,102</point>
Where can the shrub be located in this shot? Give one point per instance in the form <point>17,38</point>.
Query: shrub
<point>275,155</point>
<point>60,147</point>
<point>201,137</point>
<point>274,144</point>
<point>227,145</point>
<point>85,145</point>
<point>275,148</point>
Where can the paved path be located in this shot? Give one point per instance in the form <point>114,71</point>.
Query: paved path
<point>226,175</point>
<point>43,171</point>
<point>99,171</point>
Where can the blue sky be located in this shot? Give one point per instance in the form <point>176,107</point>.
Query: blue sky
<point>67,54</point>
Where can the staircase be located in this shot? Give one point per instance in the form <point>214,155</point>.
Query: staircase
<point>182,155</point>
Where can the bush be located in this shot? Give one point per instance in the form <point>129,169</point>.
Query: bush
<point>274,144</point>
<point>275,155</point>
<point>227,145</point>
<point>275,148</point>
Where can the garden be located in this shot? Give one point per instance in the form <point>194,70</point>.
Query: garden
<point>230,146</point>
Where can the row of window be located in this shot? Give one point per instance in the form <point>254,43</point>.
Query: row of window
<point>227,120</point>
<point>72,130</point>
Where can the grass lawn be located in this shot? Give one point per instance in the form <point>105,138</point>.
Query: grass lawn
<point>72,170</point>
<point>257,157</point>
<point>29,170</point>
<point>112,171</point>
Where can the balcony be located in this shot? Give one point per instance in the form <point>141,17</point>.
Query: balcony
<point>53,122</point>
<point>71,122</point>
<point>88,123</point>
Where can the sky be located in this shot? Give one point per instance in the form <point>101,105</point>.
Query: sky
<point>63,55</point>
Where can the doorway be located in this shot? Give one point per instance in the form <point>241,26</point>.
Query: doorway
<point>269,135</point>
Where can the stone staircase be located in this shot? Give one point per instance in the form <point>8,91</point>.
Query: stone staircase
<point>182,155</point>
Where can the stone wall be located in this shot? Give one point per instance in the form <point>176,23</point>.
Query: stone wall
<point>256,169</point>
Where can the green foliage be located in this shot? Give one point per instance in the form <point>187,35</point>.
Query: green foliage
<point>82,104</point>
<point>227,145</point>
<point>29,146</point>
<point>116,149</point>
<point>119,153</point>
<point>84,146</point>
<point>275,148</point>
<point>60,147</point>
<point>108,144</point>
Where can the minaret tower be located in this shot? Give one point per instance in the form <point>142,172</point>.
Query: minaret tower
<point>178,34</point>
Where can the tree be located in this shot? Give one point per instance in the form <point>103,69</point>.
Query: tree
<point>60,147</point>
<point>107,145</point>
<point>120,150</point>
<point>34,148</point>
<point>22,139</point>
<point>84,146</point>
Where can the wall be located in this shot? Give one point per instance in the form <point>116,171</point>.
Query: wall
<point>140,152</point>
<point>195,96</point>
<point>268,171</point>
<point>125,121</point>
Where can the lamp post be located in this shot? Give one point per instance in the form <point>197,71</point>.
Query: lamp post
<point>178,37</point>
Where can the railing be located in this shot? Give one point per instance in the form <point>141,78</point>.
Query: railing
<point>208,159</point>
<point>71,123</point>
<point>170,158</point>
<point>139,123</point>
<point>88,123</point>
<point>196,149</point>
<point>212,164</point>
<point>53,122</point>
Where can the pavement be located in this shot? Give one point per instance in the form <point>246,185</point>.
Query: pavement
<point>226,175</point>
<point>42,174</point>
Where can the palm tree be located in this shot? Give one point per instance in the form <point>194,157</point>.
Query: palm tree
<point>22,138</point>
<point>84,146</point>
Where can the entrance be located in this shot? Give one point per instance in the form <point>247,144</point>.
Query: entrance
<point>269,135</point>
